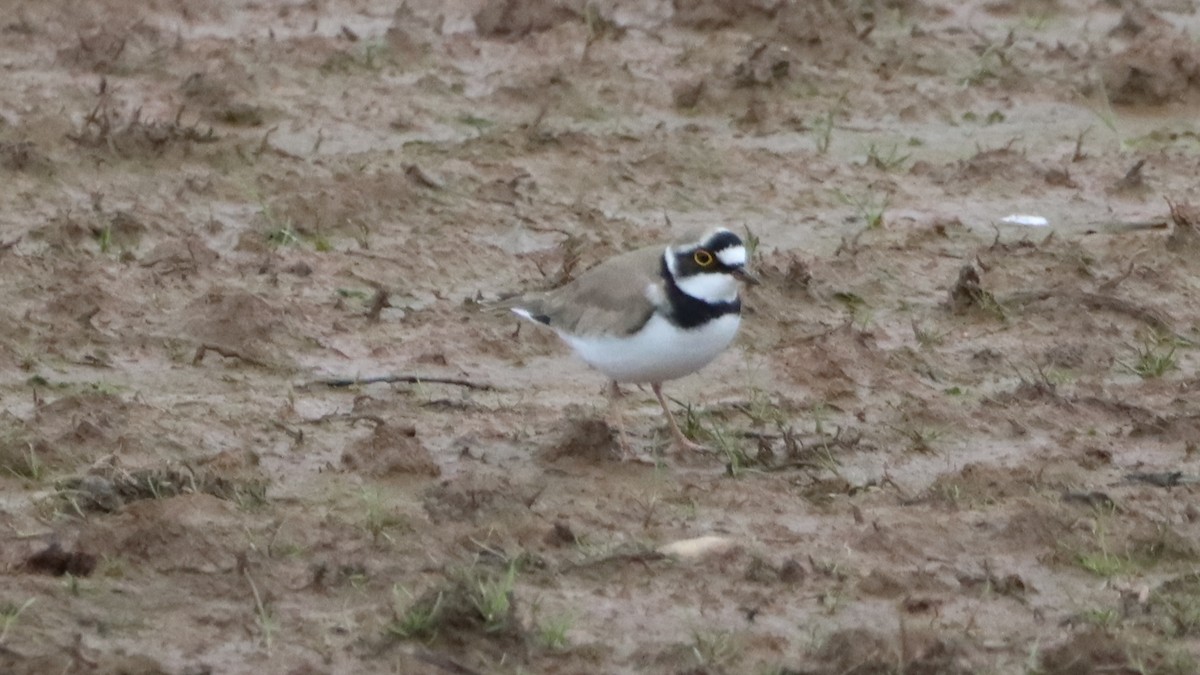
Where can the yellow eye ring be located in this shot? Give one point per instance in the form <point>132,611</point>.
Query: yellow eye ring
<point>703,258</point>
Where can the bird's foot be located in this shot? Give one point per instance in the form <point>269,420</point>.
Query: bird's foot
<point>684,444</point>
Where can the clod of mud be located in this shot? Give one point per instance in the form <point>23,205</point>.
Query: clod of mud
<point>709,14</point>
<point>185,255</point>
<point>1093,651</point>
<point>1133,182</point>
<point>108,488</point>
<point>62,232</point>
<point>1137,19</point>
<point>895,583</point>
<point>991,164</point>
<point>968,292</point>
<point>1094,499</point>
<point>409,33</point>
<point>56,561</point>
<point>64,432</point>
<point>592,440</point>
<point>763,64</point>
<point>217,100</point>
<point>761,571</point>
<point>1072,355</point>
<point>982,484</point>
<point>834,31</point>
<point>1173,603</point>
<point>518,18</point>
<point>687,94</point>
<point>561,535</point>
<point>390,450</point>
<point>792,572</point>
<point>120,230</point>
<point>1010,585</point>
<point>797,275</point>
<point>20,454</point>
<point>1158,67</point>
<point>321,207</point>
<point>1186,233</point>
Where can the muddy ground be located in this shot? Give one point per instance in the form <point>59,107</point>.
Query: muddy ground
<point>943,442</point>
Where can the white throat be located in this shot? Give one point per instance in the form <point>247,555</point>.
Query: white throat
<point>711,287</point>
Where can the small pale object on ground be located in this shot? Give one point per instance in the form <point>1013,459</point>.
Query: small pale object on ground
<point>699,547</point>
<point>1025,219</point>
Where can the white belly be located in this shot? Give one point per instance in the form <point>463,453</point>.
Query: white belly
<point>659,352</point>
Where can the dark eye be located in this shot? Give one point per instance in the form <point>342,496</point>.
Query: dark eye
<point>703,258</point>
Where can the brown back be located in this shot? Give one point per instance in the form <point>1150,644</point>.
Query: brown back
<point>608,299</point>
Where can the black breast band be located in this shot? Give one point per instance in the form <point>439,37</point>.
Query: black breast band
<point>689,312</point>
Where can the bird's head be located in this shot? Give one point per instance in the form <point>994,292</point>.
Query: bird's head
<point>709,268</point>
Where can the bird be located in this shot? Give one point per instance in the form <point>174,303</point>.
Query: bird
<point>651,315</point>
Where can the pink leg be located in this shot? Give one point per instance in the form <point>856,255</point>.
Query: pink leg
<point>682,442</point>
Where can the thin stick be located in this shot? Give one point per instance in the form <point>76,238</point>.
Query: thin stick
<point>392,379</point>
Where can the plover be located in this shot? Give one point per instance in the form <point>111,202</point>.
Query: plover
<point>650,315</point>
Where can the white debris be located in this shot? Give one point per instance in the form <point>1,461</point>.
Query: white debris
<point>691,549</point>
<point>1026,220</point>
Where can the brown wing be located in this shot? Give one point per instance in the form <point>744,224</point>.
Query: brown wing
<point>608,299</point>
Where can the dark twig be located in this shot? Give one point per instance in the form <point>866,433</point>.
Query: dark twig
<point>393,379</point>
<point>1163,479</point>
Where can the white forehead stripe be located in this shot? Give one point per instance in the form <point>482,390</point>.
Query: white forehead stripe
<point>733,256</point>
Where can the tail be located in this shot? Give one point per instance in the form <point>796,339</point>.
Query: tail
<point>527,314</point>
<point>528,306</point>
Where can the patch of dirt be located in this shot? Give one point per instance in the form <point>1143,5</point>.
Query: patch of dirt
<point>251,354</point>
<point>868,653</point>
<point>189,533</point>
<point>1095,651</point>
